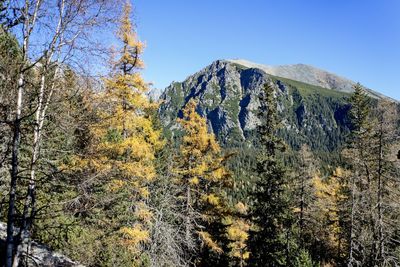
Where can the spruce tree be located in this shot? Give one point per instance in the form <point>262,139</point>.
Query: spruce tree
<point>360,199</point>
<point>270,242</point>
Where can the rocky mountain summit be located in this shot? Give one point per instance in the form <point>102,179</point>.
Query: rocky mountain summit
<point>303,73</point>
<point>308,74</point>
<point>312,103</point>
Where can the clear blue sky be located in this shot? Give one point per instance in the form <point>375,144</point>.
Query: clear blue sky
<point>357,39</point>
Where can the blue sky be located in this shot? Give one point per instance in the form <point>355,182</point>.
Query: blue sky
<point>357,39</point>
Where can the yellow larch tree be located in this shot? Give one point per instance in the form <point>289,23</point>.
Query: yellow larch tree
<point>237,233</point>
<point>200,171</point>
<point>123,147</point>
<point>330,197</point>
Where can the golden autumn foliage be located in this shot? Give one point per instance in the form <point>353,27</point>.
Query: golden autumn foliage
<point>200,171</point>
<point>209,242</point>
<point>134,235</point>
<point>329,194</point>
<point>237,232</point>
<point>241,208</point>
<point>200,152</point>
<point>124,143</point>
<point>85,171</point>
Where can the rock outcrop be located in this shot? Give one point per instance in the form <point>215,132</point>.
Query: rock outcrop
<point>227,94</point>
<point>39,255</point>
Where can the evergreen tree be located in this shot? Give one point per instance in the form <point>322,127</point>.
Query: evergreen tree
<point>361,202</point>
<point>271,242</point>
<point>373,186</point>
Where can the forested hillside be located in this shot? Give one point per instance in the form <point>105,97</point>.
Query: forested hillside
<point>228,98</point>
<point>231,167</point>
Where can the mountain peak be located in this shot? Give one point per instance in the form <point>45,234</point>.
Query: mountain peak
<point>227,93</point>
<point>303,73</point>
<point>307,74</point>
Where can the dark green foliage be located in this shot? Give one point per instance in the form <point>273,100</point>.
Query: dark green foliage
<point>322,117</point>
<point>360,113</point>
<point>271,242</point>
<point>304,260</point>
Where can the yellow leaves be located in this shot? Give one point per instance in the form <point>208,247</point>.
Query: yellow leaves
<point>135,148</point>
<point>338,172</point>
<point>246,255</point>
<point>116,185</point>
<point>330,188</point>
<point>132,46</point>
<point>143,213</point>
<point>133,187</point>
<point>241,208</point>
<point>130,87</point>
<point>197,136</point>
<point>321,188</point>
<point>296,210</point>
<point>144,192</point>
<point>137,171</point>
<point>218,174</point>
<point>237,232</point>
<point>133,154</point>
<point>194,181</point>
<point>200,151</point>
<point>209,242</point>
<point>133,236</point>
<point>81,164</point>
<point>119,158</point>
<point>329,194</point>
<point>75,163</point>
<point>227,220</point>
<point>200,168</point>
<point>211,199</point>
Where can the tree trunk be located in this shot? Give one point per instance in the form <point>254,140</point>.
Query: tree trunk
<point>14,175</point>
<point>188,221</point>
<point>302,211</point>
<point>29,204</point>
<point>30,20</point>
<point>351,260</point>
<point>380,245</point>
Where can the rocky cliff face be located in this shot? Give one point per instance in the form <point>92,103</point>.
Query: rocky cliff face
<point>227,94</point>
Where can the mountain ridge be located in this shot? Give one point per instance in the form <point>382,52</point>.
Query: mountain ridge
<point>227,96</point>
<point>311,75</point>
